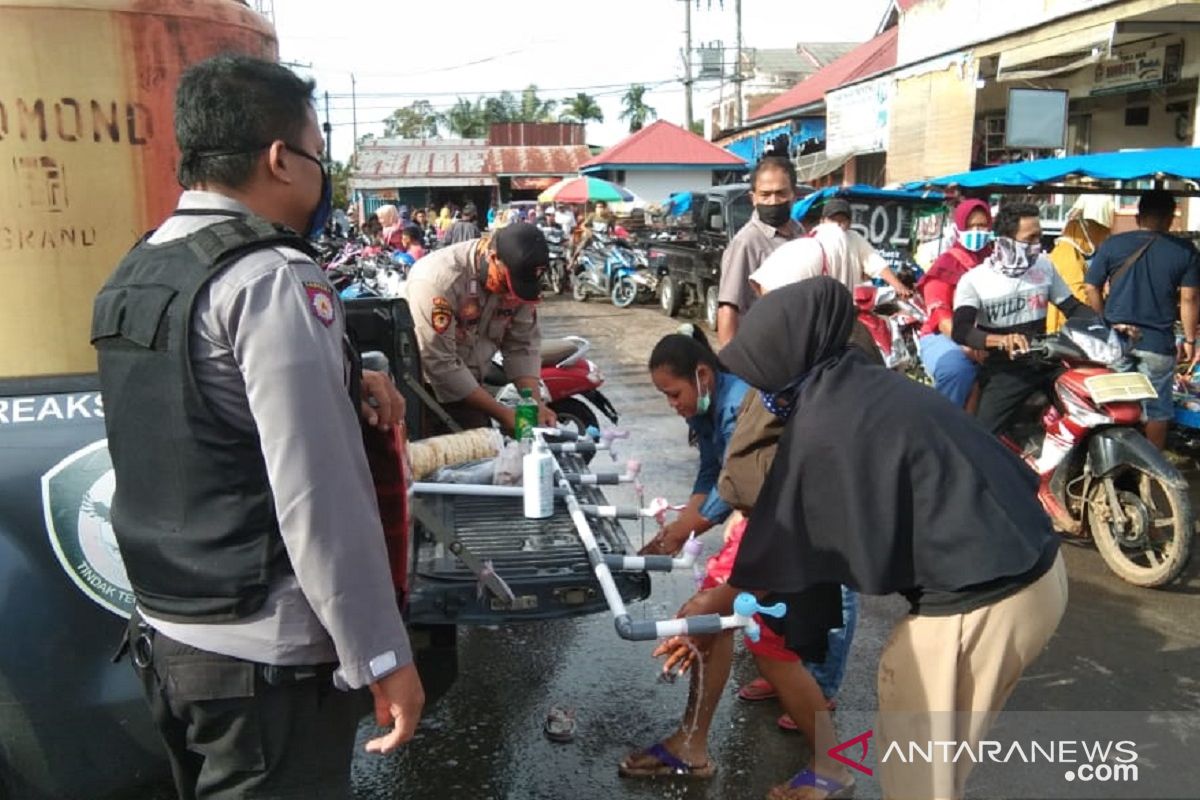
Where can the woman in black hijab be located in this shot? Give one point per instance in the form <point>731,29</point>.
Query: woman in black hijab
<point>883,485</point>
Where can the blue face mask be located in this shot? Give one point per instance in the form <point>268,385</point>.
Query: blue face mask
<point>783,402</point>
<point>975,240</point>
<point>703,398</point>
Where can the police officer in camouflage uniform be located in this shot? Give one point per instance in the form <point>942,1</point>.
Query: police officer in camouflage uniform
<point>469,301</point>
<point>245,511</point>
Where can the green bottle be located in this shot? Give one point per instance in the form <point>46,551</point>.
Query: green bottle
<point>526,416</point>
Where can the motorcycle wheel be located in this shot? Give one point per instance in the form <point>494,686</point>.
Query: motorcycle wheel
<point>668,296</point>
<point>579,288</point>
<point>624,292</point>
<point>710,308</point>
<point>575,412</point>
<point>1153,545</point>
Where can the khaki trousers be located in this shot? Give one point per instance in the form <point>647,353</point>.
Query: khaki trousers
<point>944,679</point>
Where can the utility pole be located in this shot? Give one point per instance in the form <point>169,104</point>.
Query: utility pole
<point>687,61</point>
<point>354,117</point>
<point>328,133</point>
<point>737,68</point>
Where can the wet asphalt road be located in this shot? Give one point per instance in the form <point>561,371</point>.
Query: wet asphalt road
<point>1119,648</point>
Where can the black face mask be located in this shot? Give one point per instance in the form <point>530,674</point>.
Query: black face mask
<point>776,216</point>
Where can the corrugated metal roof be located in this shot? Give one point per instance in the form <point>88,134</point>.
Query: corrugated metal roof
<point>398,158</point>
<point>558,160</point>
<point>866,59</point>
<point>804,59</point>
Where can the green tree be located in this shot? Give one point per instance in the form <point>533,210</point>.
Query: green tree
<point>503,108</point>
<point>698,127</point>
<point>467,119</point>
<point>534,108</point>
<point>634,108</point>
<point>581,108</point>
<point>339,176</point>
<point>417,121</point>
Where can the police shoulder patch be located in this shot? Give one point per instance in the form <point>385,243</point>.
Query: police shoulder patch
<point>320,300</point>
<point>442,315</point>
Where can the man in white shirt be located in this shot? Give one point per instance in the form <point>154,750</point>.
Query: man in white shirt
<point>833,249</point>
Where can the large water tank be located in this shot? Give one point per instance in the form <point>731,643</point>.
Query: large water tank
<point>87,152</point>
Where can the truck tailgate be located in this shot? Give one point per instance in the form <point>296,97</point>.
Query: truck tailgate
<point>542,560</point>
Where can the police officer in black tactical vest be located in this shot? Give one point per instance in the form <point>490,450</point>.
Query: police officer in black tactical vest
<point>244,508</point>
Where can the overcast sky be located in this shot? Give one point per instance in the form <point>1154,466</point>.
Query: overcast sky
<point>401,51</point>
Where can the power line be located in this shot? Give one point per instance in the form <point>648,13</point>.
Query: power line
<point>497,92</point>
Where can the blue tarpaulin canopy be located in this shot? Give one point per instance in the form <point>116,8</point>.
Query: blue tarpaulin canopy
<point>859,191</point>
<point>678,203</point>
<point>1167,163</point>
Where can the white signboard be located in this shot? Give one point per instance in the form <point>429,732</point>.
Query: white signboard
<point>857,118</point>
<point>1130,69</point>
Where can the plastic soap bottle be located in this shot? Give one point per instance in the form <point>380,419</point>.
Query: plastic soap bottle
<point>538,480</point>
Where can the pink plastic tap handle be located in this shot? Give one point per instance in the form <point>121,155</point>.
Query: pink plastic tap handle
<point>613,433</point>
<point>633,467</point>
<point>694,547</point>
<point>659,507</point>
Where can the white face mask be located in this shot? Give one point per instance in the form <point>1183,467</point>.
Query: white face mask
<point>703,398</point>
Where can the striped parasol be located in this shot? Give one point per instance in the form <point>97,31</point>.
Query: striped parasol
<point>585,190</point>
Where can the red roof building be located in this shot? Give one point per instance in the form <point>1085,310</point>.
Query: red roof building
<point>663,158</point>
<point>868,58</point>
<point>662,145</point>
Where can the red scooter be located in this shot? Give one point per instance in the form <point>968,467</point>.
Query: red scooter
<point>1099,476</point>
<point>894,324</point>
<point>567,380</point>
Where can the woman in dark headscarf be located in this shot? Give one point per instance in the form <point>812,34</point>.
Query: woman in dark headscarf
<point>920,501</point>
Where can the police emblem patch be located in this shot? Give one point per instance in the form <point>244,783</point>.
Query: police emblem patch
<point>441,316</point>
<point>320,300</point>
<point>77,496</point>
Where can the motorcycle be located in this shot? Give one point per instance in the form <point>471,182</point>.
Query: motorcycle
<point>1098,476</point>
<point>607,267</point>
<point>567,380</point>
<point>895,325</point>
<point>554,279</point>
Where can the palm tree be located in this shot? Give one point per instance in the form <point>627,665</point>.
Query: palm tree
<point>466,119</point>
<point>581,108</point>
<point>533,108</point>
<point>634,108</point>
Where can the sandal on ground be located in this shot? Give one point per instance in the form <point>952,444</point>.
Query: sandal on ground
<point>664,764</point>
<point>820,788</point>
<point>560,725</point>
<point>756,690</point>
<point>786,723</point>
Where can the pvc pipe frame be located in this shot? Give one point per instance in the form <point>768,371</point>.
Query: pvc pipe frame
<point>626,626</point>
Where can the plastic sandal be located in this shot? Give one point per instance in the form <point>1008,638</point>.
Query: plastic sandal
<point>807,778</point>
<point>756,690</point>
<point>668,764</point>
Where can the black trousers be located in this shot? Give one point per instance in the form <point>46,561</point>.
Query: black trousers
<point>1004,386</point>
<point>236,729</point>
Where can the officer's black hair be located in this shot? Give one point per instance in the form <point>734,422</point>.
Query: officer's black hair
<point>681,353</point>
<point>773,162</point>
<point>1008,218</point>
<point>228,110</point>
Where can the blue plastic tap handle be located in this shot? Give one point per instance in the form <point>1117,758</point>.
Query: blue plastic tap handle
<point>746,605</point>
<point>592,432</point>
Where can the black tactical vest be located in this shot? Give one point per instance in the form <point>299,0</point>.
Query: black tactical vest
<point>193,511</point>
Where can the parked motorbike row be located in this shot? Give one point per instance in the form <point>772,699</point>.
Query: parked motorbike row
<point>607,266</point>
<point>357,268</point>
